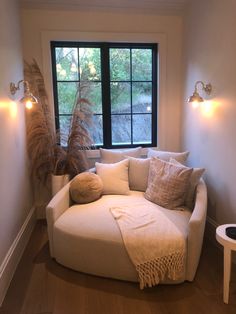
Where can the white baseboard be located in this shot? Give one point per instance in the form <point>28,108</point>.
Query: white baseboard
<point>13,256</point>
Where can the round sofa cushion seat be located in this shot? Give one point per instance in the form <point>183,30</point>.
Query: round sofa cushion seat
<point>87,238</point>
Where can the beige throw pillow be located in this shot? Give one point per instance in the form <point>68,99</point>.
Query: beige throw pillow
<point>165,155</point>
<point>138,173</point>
<point>167,184</point>
<point>109,156</point>
<point>194,179</point>
<point>114,177</point>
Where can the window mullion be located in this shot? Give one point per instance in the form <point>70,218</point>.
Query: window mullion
<point>106,97</point>
<point>154,96</point>
<point>55,89</point>
<point>131,97</point>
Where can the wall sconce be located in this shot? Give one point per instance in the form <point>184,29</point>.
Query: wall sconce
<point>196,98</point>
<point>28,99</point>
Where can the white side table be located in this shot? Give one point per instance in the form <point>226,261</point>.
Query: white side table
<point>229,245</point>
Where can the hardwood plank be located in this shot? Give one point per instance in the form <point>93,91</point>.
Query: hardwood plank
<point>42,286</point>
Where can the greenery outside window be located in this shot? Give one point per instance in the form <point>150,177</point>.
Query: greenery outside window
<point>121,81</point>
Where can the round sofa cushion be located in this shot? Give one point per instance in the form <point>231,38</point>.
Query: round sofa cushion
<point>87,238</point>
<point>86,187</point>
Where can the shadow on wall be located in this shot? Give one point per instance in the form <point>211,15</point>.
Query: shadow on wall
<point>219,204</point>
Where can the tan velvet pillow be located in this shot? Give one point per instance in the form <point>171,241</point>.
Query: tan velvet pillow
<point>86,187</point>
<point>194,179</point>
<point>167,184</point>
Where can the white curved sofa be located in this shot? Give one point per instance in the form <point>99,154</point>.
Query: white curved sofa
<point>86,237</point>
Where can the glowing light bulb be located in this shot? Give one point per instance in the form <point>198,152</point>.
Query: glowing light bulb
<point>149,108</point>
<point>28,105</point>
<point>195,104</point>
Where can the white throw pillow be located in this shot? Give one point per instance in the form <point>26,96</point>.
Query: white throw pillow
<point>194,179</point>
<point>109,156</point>
<point>167,184</point>
<point>138,173</point>
<point>165,155</point>
<point>114,177</point>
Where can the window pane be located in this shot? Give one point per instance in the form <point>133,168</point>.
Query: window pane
<point>142,126</point>
<point>142,97</point>
<point>93,92</point>
<point>121,129</point>
<point>66,96</point>
<point>141,64</point>
<point>64,129</point>
<point>97,131</point>
<point>66,64</point>
<point>90,64</point>
<point>120,97</point>
<point>125,84</point>
<point>119,64</point>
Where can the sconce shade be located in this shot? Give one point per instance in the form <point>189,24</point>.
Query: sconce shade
<point>28,101</point>
<point>195,98</point>
<point>29,98</point>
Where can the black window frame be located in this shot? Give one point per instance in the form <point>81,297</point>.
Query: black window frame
<point>105,80</point>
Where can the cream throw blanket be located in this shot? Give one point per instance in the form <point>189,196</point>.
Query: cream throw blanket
<point>154,244</point>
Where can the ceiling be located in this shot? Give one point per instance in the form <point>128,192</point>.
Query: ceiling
<point>146,5</point>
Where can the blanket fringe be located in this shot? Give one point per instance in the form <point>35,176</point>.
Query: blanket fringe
<point>152,272</point>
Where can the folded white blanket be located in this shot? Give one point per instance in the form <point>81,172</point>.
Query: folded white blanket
<point>154,244</point>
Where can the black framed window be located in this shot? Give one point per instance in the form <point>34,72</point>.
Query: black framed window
<point>121,85</point>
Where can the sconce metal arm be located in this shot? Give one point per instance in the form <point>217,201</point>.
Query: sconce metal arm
<point>207,88</point>
<point>14,88</point>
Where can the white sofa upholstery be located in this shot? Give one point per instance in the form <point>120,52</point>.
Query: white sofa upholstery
<point>86,237</point>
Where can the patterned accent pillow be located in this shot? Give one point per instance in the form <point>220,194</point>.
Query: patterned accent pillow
<point>165,155</point>
<point>194,179</point>
<point>167,184</point>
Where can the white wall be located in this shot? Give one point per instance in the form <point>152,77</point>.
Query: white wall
<point>37,23</point>
<point>210,136</point>
<point>15,194</point>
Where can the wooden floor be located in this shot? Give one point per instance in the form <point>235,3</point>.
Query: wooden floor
<point>41,286</point>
